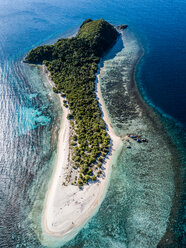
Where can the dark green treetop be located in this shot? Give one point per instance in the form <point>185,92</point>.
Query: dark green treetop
<point>72,63</point>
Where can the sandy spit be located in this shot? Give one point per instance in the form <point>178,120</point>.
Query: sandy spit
<point>66,208</point>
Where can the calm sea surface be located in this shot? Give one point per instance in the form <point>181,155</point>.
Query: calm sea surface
<point>140,208</point>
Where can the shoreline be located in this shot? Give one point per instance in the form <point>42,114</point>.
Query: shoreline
<point>148,109</point>
<point>153,118</point>
<point>66,208</point>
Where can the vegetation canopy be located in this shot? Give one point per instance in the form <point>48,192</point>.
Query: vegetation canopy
<point>73,63</point>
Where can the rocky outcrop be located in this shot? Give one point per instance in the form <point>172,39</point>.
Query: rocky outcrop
<point>122,27</point>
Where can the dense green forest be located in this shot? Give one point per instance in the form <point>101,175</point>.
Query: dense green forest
<point>73,63</point>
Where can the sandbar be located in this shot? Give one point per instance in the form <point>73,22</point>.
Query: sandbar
<point>67,207</point>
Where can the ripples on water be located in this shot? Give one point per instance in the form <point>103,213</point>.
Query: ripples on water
<point>27,118</point>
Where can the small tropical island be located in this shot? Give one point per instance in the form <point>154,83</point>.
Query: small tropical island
<point>86,139</point>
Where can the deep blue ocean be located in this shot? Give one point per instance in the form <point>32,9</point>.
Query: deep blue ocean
<point>30,115</point>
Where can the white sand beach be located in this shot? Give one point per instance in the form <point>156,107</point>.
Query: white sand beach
<point>68,207</point>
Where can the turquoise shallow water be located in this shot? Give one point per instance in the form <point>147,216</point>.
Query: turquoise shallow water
<point>140,202</point>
